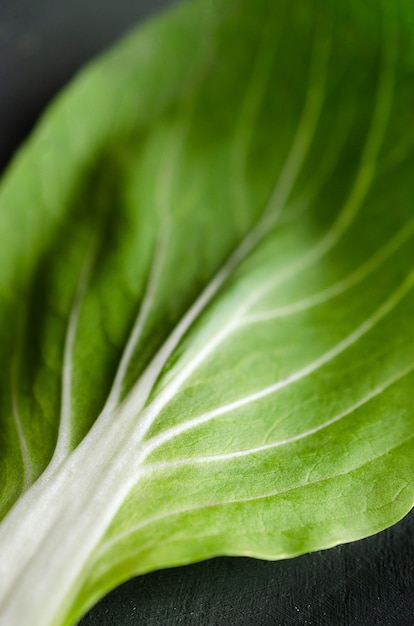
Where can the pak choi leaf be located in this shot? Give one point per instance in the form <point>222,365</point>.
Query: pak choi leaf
<point>207,300</point>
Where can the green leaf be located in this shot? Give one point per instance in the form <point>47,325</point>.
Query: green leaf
<point>207,299</point>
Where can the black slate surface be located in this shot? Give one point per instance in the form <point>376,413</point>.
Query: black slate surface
<point>370,582</point>
<point>365,583</point>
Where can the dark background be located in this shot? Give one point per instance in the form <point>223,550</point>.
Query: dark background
<point>42,44</point>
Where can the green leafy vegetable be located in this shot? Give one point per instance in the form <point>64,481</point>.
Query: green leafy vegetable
<point>207,300</point>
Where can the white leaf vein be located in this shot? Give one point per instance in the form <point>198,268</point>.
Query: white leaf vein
<point>288,440</point>
<point>28,470</point>
<point>127,534</point>
<point>368,325</point>
<point>63,442</point>
<point>283,188</point>
<point>339,288</point>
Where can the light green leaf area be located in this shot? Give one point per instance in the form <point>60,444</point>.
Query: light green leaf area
<point>206,299</point>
